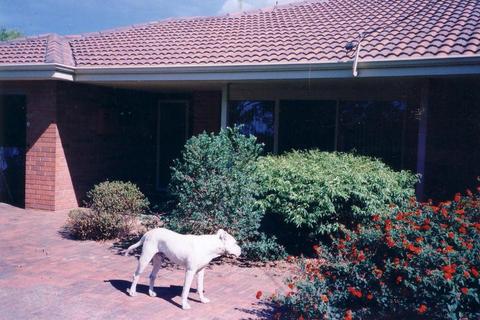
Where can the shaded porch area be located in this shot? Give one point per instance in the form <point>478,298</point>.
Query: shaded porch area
<point>78,135</point>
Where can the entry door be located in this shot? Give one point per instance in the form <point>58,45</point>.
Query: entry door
<point>12,149</point>
<point>172,132</point>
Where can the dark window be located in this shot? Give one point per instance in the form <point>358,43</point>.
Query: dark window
<point>172,134</point>
<point>257,118</point>
<point>373,128</point>
<point>307,125</point>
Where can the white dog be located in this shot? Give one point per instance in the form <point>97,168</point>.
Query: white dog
<point>191,251</point>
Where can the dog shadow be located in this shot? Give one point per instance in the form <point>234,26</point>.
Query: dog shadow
<point>165,293</point>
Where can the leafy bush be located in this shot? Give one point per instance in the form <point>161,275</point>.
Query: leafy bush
<point>112,211</point>
<point>117,197</point>
<point>215,186</point>
<point>86,224</point>
<point>315,193</point>
<point>419,263</point>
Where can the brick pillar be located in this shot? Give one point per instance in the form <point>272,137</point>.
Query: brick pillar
<point>48,185</point>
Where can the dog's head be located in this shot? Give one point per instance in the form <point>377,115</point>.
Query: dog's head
<point>229,242</point>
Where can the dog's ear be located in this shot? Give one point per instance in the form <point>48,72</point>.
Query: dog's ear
<point>222,234</point>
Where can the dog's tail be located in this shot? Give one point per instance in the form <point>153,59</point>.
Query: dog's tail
<point>134,246</point>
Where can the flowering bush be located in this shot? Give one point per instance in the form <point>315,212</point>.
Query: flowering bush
<point>423,262</point>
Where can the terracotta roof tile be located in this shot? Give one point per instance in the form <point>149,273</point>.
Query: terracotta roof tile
<point>31,50</point>
<point>313,31</point>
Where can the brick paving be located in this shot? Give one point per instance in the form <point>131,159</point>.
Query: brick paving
<point>45,275</point>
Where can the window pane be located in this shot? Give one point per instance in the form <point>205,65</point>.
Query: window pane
<point>256,117</point>
<point>373,128</point>
<point>307,125</point>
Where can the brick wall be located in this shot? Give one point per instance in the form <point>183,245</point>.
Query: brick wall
<point>41,142</point>
<point>79,135</point>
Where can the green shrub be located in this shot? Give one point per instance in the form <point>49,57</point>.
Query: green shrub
<point>215,186</point>
<point>85,224</point>
<point>422,262</point>
<point>117,197</point>
<point>315,193</point>
<point>113,210</point>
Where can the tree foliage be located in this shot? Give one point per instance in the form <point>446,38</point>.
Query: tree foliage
<point>9,34</point>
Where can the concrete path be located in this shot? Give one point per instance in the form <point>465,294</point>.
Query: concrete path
<point>44,275</point>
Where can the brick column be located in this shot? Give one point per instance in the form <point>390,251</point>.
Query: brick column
<point>48,185</point>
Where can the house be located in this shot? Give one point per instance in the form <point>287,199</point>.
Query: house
<point>398,80</point>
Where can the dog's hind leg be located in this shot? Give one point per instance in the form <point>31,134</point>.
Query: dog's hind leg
<point>200,278</point>
<point>145,258</point>
<point>189,275</point>
<point>157,264</point>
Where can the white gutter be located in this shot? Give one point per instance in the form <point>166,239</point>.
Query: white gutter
<point>44,71</point>
<point>445,66</point>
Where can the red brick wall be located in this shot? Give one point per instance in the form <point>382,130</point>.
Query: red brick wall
<point>205,111</point>
<point>79,135</point>
<point>40,166</point>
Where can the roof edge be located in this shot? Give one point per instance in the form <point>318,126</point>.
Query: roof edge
<point>444,66</point>
<point>43,71</point>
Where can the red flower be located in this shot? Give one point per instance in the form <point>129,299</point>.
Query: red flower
<point>388,225</point>
<point>348,315</point>
<point>448,271</point>
<point>451,268</point>
<point>355,292</point>
<point>474,272</point>
<point>369,296</point>
<point>390,242</point>
<point>469,193</point>
<point>301,318</point>
<point>399,279</point>
<point>451,235</point>
<point>291,286</point>
<point>457,197</point>
<point>466,274</point>
<point>425,227</point>
<point>462,230</point>
<point>360,256</point>
<point>464,290</point>
<point>460,211</point>
<point>435,209</point>
<point>422,309</point>
<point>449,249</point>
<point>316,248</point>
<point>324,298</point>
<point>444,212</point>
<point>376,217</point>
<point>414,249</point>
<point>259,294</point>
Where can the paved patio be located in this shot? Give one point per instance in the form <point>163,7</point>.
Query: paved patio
<point>44,275</point>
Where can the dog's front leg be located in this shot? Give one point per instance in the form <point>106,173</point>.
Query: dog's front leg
<point>200,278</point>
<point>189,274</point>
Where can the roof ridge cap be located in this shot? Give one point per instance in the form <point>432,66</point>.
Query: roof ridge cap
<point>58,50</point>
